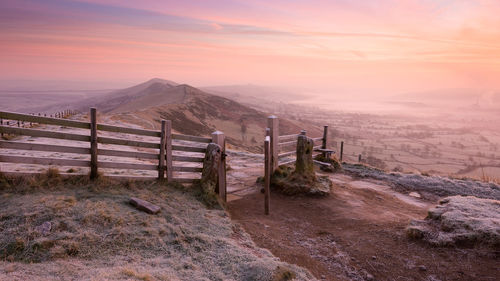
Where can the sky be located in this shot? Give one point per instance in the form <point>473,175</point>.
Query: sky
<point>372,47</point>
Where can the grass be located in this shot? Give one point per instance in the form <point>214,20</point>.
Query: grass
<point>8,136</point>
<point>430,187</point>
<point>96,234</point>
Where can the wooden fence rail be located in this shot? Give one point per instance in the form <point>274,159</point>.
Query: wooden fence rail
<point>285,146</point>
<point>164,157</point>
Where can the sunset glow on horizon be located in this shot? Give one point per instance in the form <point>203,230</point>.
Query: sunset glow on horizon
<point>382,46</point>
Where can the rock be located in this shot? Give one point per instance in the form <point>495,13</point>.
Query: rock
<point>321,187</point>
<point>44,228</point>
<point>369,277</point>
<point>422,268</point>
<point>414,194</point>
<point>302,180</point>
<point>210,173</point>
<point>144,205</point>
<point>416,229</point>
<point>304,165</point>
<point>460,220</point>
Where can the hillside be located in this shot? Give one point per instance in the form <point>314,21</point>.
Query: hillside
<point>52,228</point>
<point>192,111</point>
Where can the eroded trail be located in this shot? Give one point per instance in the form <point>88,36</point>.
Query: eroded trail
<point>357,233</point>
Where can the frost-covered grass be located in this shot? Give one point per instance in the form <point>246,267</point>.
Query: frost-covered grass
<point>95,234</point>
<point>459,220</point>
<point>428,185</point>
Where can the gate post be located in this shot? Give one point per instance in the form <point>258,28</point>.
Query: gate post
<point>168,149</point>
<point>325,140</point>
<point>219,138</point>
<point>267,175</point>
<point>163,138</point>
<point>272,124</point>
<point>93,143</point>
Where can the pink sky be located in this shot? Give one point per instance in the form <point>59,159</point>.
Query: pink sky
<point>373,46</point>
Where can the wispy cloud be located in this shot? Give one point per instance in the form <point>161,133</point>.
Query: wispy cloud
<point>258,40</point>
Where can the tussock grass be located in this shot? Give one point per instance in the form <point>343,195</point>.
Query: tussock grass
<point>336,165</point>
<point>430,187</point>
<point>8,137</point>
<point>460,220</point>
<point>93,226</point>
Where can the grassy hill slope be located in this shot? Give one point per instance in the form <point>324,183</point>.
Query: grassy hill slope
<point>95,234</point>
<point>192,112</point>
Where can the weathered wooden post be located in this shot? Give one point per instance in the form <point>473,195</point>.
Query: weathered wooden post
<point>324,141</point>
<point>304,165</point>
<point>1,123</point>
<point>219,138</point>
<point>93,143</point>
<point>273,125</point>
<point>359,158</point>
<point>267,174</point>
<point>210,173</point>
<point>341,150</point>
<point>161,164</point>
<point>325,137</point>
<point>168,150</point>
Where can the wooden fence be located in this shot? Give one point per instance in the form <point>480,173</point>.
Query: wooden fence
<point>164,157</point>
<point>278,148</point>
<point>282,147</point>
<point>21,124</point>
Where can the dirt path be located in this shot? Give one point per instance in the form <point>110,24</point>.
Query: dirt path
<point>357,233</point>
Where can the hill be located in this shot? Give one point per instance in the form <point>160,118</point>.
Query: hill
<point>192,111</point>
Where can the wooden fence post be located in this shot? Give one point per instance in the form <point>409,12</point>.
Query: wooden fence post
<point>1,123</point>
<point>359,158</point>
<point>267,175</point>
<point>273,125</point>
<point>93,143</point>
<point>219,138</point>
<point>168,150</point>
<point>341,150</point>
<point>161,164</point>
<point>325,137</point>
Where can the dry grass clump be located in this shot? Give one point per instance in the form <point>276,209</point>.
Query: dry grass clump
<point>139,276</point>
<point>283,274</point>
<point>460,220</point>
<point>93,224</point>
<point>334,162</point>
<point>8,137</point>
